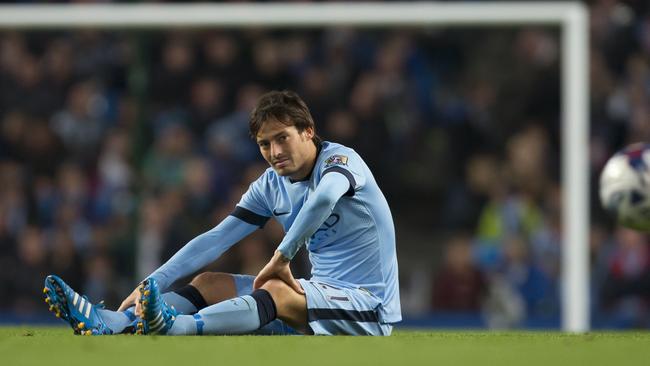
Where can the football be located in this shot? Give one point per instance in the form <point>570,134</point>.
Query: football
<point>625,187</point>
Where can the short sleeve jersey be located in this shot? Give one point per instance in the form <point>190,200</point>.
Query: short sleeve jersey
<point>355,246</point>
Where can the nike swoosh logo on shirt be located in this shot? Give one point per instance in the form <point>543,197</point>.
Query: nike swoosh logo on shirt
<point>276,213</point>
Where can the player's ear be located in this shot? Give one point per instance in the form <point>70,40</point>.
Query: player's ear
<point>309,132</point>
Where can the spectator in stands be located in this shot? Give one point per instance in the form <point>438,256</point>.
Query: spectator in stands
<point>460,285</point>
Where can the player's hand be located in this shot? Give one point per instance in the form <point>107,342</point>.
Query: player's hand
<point>278,267</point>
<point>131,300</point>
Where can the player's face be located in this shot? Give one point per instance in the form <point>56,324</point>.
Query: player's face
<point>289,152</point>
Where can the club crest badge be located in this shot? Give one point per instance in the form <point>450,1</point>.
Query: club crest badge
<point>336,160</point>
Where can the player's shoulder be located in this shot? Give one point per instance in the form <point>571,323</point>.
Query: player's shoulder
<point>333,153</point>
<point>328,147</point>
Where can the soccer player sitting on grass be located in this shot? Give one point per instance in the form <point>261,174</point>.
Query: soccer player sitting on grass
<point>326,198</point>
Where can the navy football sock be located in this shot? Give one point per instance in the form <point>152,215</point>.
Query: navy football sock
<point>265,306</point>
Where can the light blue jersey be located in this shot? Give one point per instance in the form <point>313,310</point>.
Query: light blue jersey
<point>355,246</point>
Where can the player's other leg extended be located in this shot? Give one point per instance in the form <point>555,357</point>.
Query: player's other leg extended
<point>206,288</point>
<point>75,309</point>
<point>186,300</point>
<point>72,307</point>
<point>239,315</point>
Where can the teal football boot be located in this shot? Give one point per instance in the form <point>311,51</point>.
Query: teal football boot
<point>158,317</point>
<point>73,308</point>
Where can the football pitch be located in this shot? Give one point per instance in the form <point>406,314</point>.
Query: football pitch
<point>57,346</point>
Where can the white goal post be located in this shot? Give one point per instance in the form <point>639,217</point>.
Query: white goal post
<point>571,18</point>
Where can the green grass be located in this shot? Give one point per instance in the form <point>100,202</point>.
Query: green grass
<point>57,346</point>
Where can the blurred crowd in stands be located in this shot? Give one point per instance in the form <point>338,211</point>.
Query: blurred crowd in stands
<point>117,147</point>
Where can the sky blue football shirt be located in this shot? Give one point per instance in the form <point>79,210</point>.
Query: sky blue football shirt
<point>355,246</point>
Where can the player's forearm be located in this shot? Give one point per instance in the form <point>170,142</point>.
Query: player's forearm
<point>202,250</point>
<point>316,210</point>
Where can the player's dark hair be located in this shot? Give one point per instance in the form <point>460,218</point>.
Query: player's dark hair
<point>285,107</point>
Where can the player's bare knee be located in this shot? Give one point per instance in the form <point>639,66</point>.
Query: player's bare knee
<point>276,288</point>
<point>287,301</point>
<point>209,278</point>
<point>279,290</point>
<point>202,279</point>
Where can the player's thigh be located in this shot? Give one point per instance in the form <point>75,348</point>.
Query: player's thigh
<point>215,286</point>
<point>334,310</point>
<point>291,306</point>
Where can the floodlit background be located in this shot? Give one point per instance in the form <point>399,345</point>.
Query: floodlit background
<point>117,147</point>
